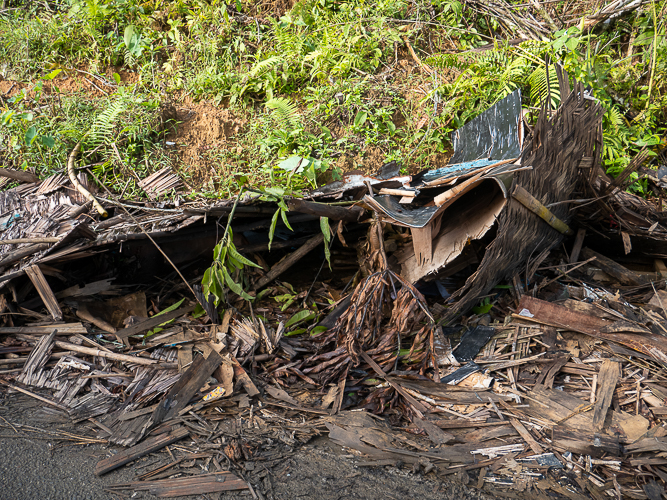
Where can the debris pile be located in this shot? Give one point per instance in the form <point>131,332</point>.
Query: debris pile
<point>451,334</point>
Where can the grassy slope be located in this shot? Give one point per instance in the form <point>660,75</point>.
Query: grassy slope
<point>341,84</point>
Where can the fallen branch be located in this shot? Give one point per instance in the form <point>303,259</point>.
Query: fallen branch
<point>18,175</point>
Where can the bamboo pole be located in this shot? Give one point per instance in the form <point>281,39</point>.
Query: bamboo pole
<point>75,182</point>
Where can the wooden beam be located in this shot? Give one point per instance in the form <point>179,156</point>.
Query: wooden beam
<point>578,243</point>
<point>20,241</point>
<point>113,355</point>
<point>150,445</point>
<point>614,269</point>
<point>63,329</point>
<point>22,252</point>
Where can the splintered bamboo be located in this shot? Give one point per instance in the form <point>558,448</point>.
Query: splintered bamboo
<point>532,204</point>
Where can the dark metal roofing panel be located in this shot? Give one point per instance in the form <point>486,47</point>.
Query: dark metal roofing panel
<point>492,135</point>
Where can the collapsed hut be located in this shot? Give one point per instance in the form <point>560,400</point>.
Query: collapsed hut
<point>556,384</point>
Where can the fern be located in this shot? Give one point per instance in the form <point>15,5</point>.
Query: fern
<point>616,120</point>
<point>104,123</point>
<point>539,89</point>
<point>285,111</point>
<point>265,65</point>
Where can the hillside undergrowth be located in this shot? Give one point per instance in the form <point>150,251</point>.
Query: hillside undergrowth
<point>348,85</point>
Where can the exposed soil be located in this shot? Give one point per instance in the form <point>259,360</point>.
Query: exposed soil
<point>201,128</point>
<point>33,465</point>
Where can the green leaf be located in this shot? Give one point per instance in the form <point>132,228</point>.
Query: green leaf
<point>172,307</point>
<point>572,43</point>
<point>30,135</point>
<point>6,117</point>
<point>48,141</point>
<point>326,231</point>
<point>283,214</point>
<point>198,312</point>
<point>317,330</point>
<point>300,316</point>
<point>235,287</point>
<point>644,38</point>
<point>234,253</point>
<point>116,78</point>
<point>127,36</point>
<point>272,228</point>
<point>482,309</point>
<point>52,75</point>
<point>298,331</point>
<point>360,119</point>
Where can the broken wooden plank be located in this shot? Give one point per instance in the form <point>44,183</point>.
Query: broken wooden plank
<point>624,275</point>
<point>578,243</point>
<point>610,371</point>
<point>435,433</point>
<point>530,440</point>
<point>21,241</point>
<point>186,486</point>
<point>585,444</point>
<point>185,388</point>
<point>156,320</point>
<point>150,445</point>
<point>16,255</point>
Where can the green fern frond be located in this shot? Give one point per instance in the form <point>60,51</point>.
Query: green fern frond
<point>265,65</point>
<point>285,111</point>
<point>539,89</point>
<point>616,119</point>
<point>104,123</point>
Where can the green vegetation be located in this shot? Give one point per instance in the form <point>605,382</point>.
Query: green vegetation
<point>331,81</point>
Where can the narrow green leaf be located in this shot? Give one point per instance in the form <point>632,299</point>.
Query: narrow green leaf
<point>235,287</point>
<point>234,253</point>
<point>300,316</point>
<point>298,331</point>
<point>172,307</point>
<point>326,231</point>
<point>52,75</point>
<point>272,229</point>
<point>283,214</point>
